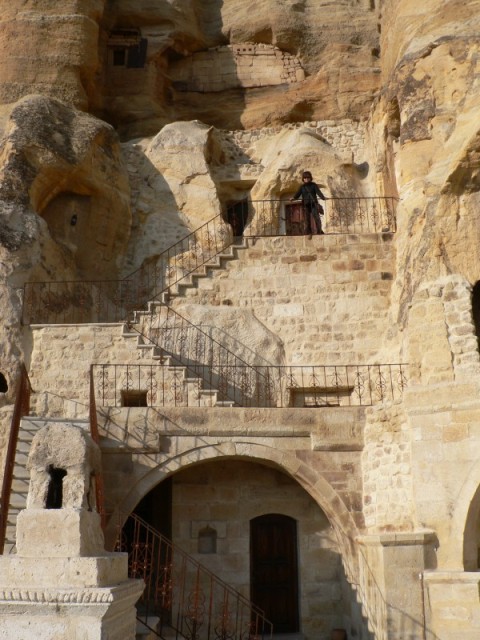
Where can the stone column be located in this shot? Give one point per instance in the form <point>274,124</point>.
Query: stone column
<point>62,584</point>
<point>392,567</point>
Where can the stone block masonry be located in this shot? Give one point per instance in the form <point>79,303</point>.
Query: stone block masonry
<point>247,65</point>
<point>327,297</point>
<point>345,136</point>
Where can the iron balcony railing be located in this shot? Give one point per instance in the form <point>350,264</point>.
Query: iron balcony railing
<point>73,302</point>
<point>262,218</point>
<point>164,385</point>
<point>183,599</point>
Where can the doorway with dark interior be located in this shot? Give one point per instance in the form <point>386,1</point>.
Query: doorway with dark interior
<point>274,570</point>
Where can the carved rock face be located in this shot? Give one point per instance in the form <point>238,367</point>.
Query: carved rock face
<point>65,166</point>
<point>93,72</point>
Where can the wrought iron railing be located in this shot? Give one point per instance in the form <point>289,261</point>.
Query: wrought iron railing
<point>261,218</point>
<point>99,484</point>
<point>301,387</point>
<point>204,357</point>
<point>86,301</point>
<point>114,301</point>
<point>21,409</point>
<point>182,598</point>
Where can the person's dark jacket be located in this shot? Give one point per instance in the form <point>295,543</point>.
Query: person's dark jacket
<point>309,192</point>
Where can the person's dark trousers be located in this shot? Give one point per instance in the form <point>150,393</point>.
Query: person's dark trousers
<point>312,210</point>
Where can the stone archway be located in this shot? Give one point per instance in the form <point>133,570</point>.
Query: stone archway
<point>308,478</point>
<point>471,534</point>
<point>464,544</point>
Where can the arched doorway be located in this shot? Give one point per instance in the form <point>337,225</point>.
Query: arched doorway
<point>274,570</point>
<point>224,496</point>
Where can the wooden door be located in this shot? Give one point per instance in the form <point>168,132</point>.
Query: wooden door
<point>273,570</point>
<point>295,223</point>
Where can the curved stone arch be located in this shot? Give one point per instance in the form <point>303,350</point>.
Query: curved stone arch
<point>465,519</point>
<point>307,477</point>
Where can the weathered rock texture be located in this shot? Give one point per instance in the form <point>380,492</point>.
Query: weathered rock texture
<point>140,93</point>
<point>217,102</point>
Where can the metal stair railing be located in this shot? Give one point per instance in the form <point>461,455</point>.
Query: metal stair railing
<point>93,420</point>
<point>75,301</point>
<point>182,598</point>
<point>204,357</point>
<point>21,409</point>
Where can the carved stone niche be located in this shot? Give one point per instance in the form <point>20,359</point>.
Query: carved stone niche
<point>61,583</point>
<point>60,519</point>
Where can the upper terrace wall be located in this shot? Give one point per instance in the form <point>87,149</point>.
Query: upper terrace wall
<point>327,297</point>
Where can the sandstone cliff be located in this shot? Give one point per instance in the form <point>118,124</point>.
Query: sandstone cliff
<point>376,99</point>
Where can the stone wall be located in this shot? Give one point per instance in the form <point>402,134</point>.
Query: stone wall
<point>326,298</point>
<point>72,349</point>
<point>386,463</point>
<point>444,347</point>
<point>226,496</point>
<point>346,136</point>
<point>237,65</point>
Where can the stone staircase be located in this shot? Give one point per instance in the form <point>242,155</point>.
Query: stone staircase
<point>186,388</point>
<point>216,263</point>
<point>21,476</point>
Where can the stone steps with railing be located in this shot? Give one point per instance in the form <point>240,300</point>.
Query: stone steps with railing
<point>177,382</point>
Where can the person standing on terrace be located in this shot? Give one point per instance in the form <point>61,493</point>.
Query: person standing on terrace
<point>309,192</point>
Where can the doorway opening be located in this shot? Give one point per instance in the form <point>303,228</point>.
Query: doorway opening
<point>274,570</point>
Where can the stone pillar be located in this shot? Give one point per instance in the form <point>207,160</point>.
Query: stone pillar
<point>392,567</point>
<point>62,584</point>
<point>452,605</point>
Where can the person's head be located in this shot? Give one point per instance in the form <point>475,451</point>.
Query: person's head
<point>307,176</point>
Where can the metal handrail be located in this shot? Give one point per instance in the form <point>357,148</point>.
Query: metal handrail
<point>264,218</point>
<point>161,385</point>
<point>188,346</point>
<point>182,594</point>
<point>86,301</point>
<point>21,409</point>
<point>99,485</point>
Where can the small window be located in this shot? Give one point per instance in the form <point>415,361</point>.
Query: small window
<point>134,399</point>
<point>119,57</point>
<point>55,488</point>
<point>207,540</point>
<point>3,384</point>
<point>320,396</point>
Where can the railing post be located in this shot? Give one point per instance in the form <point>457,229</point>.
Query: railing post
<point>99,489</point>
<point>21,409</point>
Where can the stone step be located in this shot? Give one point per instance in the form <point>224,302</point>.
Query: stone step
<point>20,484</point>
<point>203,271</point>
